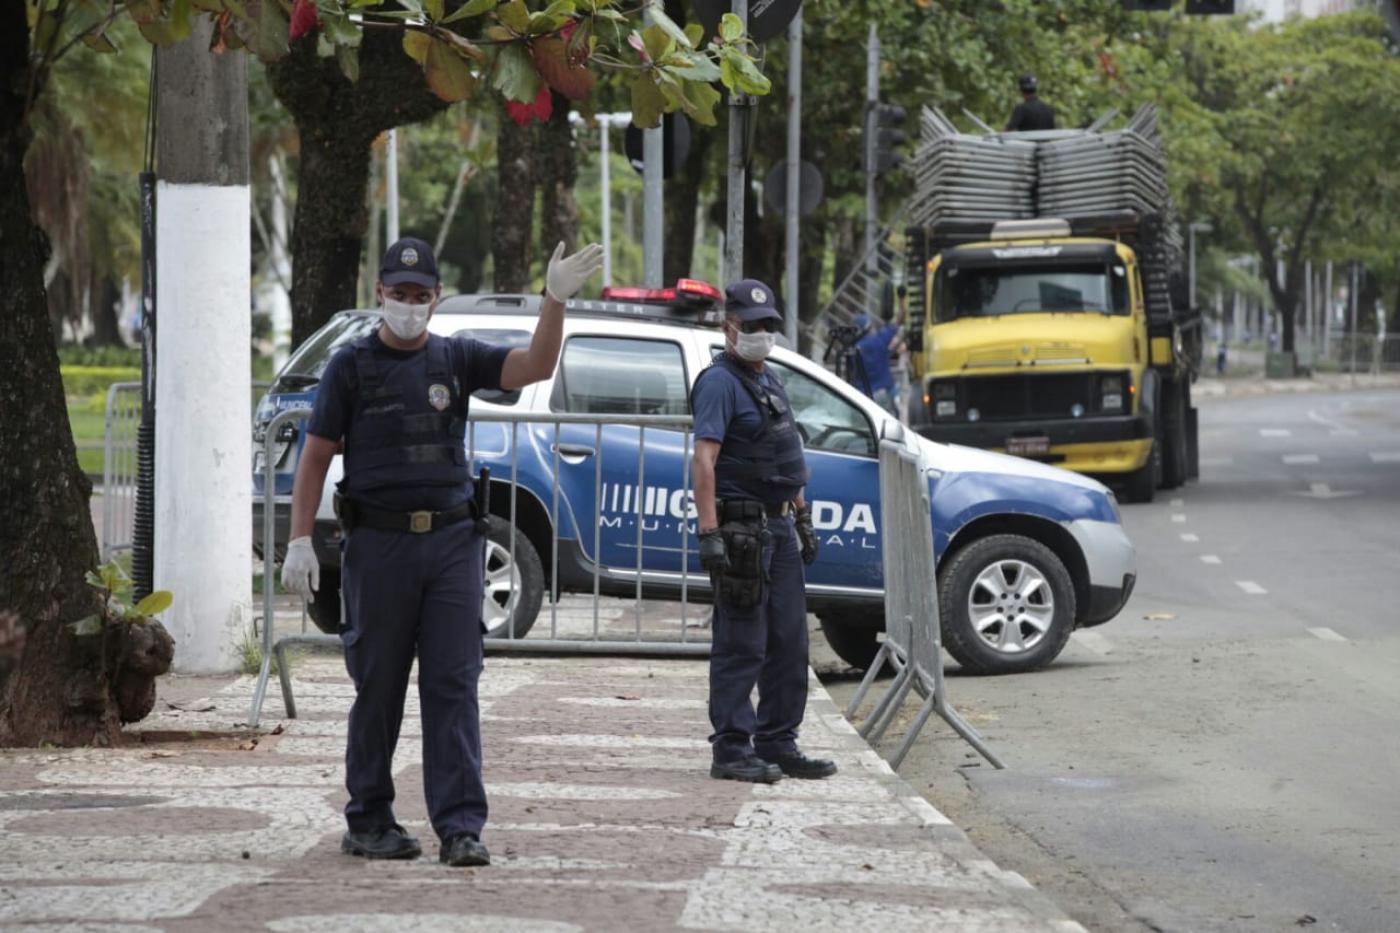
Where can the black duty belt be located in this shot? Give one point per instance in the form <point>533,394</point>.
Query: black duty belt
<point>357,515</point>
<point>742,509</point>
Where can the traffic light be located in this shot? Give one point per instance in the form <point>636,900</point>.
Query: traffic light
<point>881,137</point>
<point>1210,7</point>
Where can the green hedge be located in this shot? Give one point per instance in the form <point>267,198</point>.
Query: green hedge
<point>88,381</point>
<point>74,354</point>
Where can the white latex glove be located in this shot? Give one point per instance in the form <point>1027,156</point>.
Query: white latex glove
<point>301,571</point>
<point>566,274</point>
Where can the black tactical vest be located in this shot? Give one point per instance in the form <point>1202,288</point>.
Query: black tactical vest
<point>409,423</point>
<point>770,468</point>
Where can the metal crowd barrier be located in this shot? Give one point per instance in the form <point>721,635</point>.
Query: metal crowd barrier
<point>119,463</point>
<point>597,641</point>
<point>913,641</point>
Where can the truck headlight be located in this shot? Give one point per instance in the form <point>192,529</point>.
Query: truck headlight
<point>1111,393</point>
<point>945,400</point>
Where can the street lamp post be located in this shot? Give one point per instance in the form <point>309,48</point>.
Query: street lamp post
<point>1192,230</point>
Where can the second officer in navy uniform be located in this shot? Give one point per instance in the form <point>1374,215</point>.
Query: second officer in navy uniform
<point>412,557</point>
<point>755,535</point>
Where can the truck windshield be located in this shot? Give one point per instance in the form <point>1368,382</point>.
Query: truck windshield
<point>1002,288</point>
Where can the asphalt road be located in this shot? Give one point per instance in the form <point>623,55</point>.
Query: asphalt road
<point>1224,755</point>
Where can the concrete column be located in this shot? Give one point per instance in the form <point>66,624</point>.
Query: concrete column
<point>203,548</point>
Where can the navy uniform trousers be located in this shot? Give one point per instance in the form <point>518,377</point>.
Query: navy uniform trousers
<point>405,592</point>
<point>765,645</point>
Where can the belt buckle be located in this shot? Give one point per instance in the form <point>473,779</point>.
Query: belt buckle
<point>420,522</point>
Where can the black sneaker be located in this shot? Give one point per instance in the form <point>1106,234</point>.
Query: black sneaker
<point>795,764</point>
<point>390,842</point>
<point>750,768</point>
<point>464,850</point>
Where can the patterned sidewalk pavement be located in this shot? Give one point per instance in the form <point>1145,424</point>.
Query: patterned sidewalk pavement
<point>603,818</point>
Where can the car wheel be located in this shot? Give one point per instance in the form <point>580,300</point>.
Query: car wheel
<point>855,641</point>
<point>324,608</point>
<point>514,583</point>
<point>1006,605</point>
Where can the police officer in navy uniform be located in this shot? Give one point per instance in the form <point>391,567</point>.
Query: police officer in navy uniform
<point>755,535</point>
<point>412,565</point>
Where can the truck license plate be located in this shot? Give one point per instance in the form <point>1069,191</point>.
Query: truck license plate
<point>1028,446</point>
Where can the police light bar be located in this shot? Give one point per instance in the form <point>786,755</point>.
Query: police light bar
<point>685,292</point>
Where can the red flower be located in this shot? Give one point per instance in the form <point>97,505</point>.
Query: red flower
<point>541,108</point>
<point>304,19</point>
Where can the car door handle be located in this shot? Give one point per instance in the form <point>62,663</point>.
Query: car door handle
<point>573,450</point>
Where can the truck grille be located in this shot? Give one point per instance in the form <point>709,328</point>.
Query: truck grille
<point>1022,396</point>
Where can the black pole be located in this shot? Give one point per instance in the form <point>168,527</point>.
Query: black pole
<point>143,527</point>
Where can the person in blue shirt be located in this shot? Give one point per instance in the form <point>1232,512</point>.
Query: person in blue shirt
<point>412,565</point>
<point>874,346</point>
<point>755,534</point>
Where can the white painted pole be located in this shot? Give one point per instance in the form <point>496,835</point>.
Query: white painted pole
<point>653,203</point>
<point>391,186</point>
<point>1327,306</point>
<point>794,162</point>
<point>280,263</point>
<point>872,96</point>
<point>739,105</point>
<point>203,448</point>
<point>605,183</point>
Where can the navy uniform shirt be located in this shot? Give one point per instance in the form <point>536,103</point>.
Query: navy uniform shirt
<point>723,406</point>
<point>476,365</point>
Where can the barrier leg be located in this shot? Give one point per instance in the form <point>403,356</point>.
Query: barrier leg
<point>881,719</point>
<point>915,728</point>
<point>289,702</point>
<point>871,672</point>
<point>259,691</point>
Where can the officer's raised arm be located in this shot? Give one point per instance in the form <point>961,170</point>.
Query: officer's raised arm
<point>565,276</point>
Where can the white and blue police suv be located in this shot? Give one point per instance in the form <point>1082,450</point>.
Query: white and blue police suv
<point>1026,552</point>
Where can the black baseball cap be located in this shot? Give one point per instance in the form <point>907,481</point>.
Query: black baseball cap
<point>750,300</point>
<point>409,260</point>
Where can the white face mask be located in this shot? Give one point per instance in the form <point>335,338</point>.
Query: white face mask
<point>407,321</point>
<point>753,347</point>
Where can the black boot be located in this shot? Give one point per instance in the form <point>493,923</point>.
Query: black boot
<point>750,768</point>
<point>389,842</point>
<point>464,850</point>
<point>795,764</point>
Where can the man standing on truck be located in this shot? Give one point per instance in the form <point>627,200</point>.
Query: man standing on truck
<point>1031,113</point>
<point>755,534</point>
<point>414,541</point>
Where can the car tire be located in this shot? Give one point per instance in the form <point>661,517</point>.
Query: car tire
<point>512,588</point>
<point>855,641</point>
<point>995,574</point>
<point>324,607</point>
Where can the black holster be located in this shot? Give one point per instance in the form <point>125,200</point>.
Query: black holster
<point>741,586</point>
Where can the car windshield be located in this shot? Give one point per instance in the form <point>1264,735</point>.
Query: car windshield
<point>999,289</point>
<point>304,368</point>
<point>499,337</point>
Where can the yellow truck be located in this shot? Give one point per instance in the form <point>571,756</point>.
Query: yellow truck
<point>1068,341</point>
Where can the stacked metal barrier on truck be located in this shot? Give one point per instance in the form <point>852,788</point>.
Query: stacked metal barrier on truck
<point>1109,183</point>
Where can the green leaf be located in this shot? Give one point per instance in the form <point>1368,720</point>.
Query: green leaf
<point>516,77</point>
<point>738,72</point>
<point>515,16</point>
<point>647,102</point>
<point>694,33</point>
<point>348,57</point>
<point>552,18</point>
<point>470,8</point>
<point>415,45</point>
<point>87,626</point>
<point>208,6</point>
<point>669,26</point>
<point>731,28</point>
<point>449,75</point>
<point>704,97</point>
<point>156,603</point>
<point>94,581</point>
<point>657,42</point>
<point>341,29</point>
<point>433,9</point>
<point>99,42</point>
<point>696,68</point>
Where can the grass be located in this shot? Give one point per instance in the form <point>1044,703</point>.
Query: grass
<point>89,433</point>
<point>250,655</point>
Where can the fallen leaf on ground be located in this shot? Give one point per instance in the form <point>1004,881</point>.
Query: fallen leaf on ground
<point>626,696</point>
<point>278,729</point>
<point>1159,616</point>
<point>202,705</point>
<point>248,746</point>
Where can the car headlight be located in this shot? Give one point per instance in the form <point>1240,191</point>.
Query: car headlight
<point>945,400</point>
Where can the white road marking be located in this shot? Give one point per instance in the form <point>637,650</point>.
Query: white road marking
<point>1217,461</point>
<point>1300,458</point>
<point>1190,538</point>
<point>1250,587</point>
<point>1338,429</point>
<point>1178,517</point>
<point>1178,503</point>
<point>1093,641</point>
<point>1344,432</point>
<point>1326,634</point>
<point>1275,432</point>
<point>1209,559</point>
<point>1385,456</point>
<point>1324,491</point>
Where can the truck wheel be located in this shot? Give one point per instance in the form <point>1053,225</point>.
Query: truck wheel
<point>1006,605</point>
<point>514,588</point>
<point>324,608</point>
<point>1175,455</point>
<point>854,641</point>
<point>1193,440</point>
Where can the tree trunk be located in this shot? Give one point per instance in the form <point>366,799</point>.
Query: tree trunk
<point>338,121</point>
<point>682,197</point>
<point>106,297</point>
<point>557,158</point>
<point>47,542</point>
<point>515,205</point>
